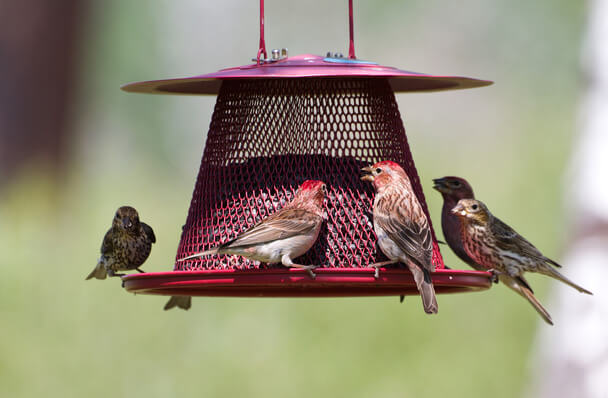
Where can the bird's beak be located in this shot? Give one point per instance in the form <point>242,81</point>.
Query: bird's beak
<point>367,174</point>
<point>459,210</point>
<point>439,185</point>
<point>126,222</point>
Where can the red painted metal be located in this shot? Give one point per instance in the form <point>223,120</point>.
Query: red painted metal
<point>339,282</point>
<point>268,136</point>
<point>262,47</point>
<point>274,126</point>
<point>351,34</point>
<point>307,66</point>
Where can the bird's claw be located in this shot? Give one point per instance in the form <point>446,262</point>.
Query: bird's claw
<point>112,273</point>
<point>309,269</point>
<point>495,274</point>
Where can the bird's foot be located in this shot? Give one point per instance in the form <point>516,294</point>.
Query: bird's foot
<point>308,269</point>
<point>378,265</point>
<point>495,274</point>
<point>401,298</point>
<point>112,273</point>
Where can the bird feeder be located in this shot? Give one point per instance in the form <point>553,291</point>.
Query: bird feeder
<point>276,123</point>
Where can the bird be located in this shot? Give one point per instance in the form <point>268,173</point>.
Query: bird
<point>500,249</point>
<point>453,189</point>
<point>402,227</point>
<point>125,246</point>
<point>284,235</point>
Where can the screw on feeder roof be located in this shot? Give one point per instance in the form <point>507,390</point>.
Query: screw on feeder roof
<point>276,124</point>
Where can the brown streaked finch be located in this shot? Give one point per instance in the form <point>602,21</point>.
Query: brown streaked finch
<point>500,249</point>
<point>402,227</point>
<point>126,245</point>
<point>453,189</point>
<point>284,235</point>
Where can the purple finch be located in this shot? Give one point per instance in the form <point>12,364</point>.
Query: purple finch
<point>279,238</point>
<point>125,246</point>
<point>284,235</point>
<point>453,189</point>
<point>402,227</point>
<point>497,247</point>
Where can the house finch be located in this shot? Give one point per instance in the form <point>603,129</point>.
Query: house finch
<point>125,246</point>
<point>284,235</point>
<point>497,247</point>
<point>453,189</point>
<point>402,227</point>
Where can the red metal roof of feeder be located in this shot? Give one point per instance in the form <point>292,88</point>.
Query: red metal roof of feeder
<point>307,66</point>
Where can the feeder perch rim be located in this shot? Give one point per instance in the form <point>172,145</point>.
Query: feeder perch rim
<point>283,282</point>
<point>307,66</point>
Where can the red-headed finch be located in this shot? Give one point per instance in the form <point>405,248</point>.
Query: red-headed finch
<point>453,189</point>
<point>285,234</point>
<point>498,248</point>
<point>125,246</point>
<point>402,227</point>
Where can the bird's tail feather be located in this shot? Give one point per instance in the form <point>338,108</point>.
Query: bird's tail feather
<point>527,294</point>
<point>423,281</point>
<point>98,272</point>
<point>183,302</point>
<point>552,272</point>
<point>201,254</point>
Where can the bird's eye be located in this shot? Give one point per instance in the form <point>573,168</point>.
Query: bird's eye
<point>456,183</point>
<point>323,188</point>
<point>117,215</point>
<point>474,207</point>
<point>378,170</point>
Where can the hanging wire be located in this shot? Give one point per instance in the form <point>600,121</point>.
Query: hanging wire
<point>351,48</point>
<point>262,47</point>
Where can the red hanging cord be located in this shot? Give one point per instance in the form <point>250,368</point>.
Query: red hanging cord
<point>262,48</point>
<point>351,48</point>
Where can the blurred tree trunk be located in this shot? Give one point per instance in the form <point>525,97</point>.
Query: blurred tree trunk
<point>573,355</point>
<point>38,42</point>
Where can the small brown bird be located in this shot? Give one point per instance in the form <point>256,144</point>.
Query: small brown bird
<point>285,234</point>
<point>498,248</point>
<point>453,189</point>
<point>402,227</point>
<point>125,246</point>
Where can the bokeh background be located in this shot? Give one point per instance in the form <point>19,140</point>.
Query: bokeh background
<point>74,147</point>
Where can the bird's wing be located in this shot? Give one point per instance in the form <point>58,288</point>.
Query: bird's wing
<point>281,225</point>
<point>106,245</point>
<point>411,234</point>
<point>508,239</point>
<point>521,280</point>
<point>149,232</point>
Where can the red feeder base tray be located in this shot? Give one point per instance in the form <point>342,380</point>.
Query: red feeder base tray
<point>282,282</point>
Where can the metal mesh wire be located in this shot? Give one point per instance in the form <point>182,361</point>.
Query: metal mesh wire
<point>269,135</point>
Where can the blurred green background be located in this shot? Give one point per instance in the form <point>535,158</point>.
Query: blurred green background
<point>62,336</point>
